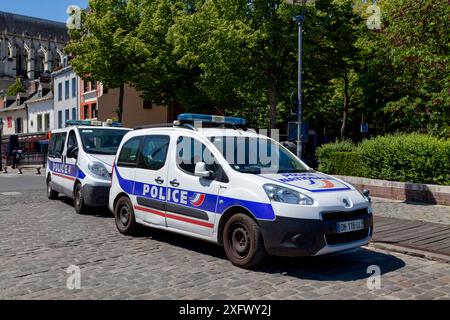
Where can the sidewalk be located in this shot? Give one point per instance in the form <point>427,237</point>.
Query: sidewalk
<point>414,228</point>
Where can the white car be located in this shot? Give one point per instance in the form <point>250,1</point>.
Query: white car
<point>212,183</point>
<point>80,159</point>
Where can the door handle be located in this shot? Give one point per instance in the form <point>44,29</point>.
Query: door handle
<point>175,183</point>
<point>159,180</point>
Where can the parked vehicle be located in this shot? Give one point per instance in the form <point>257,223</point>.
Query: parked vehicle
<point>79,164</point>
<point>213,183</point>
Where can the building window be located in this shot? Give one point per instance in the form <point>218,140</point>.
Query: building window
<point>85,86</point>
<point>148,105</point>
<point>74,114</point>
<point>59,91</point>
<point>86,112</point>
<point>39,123</point>
<point>67,87</point>
<point>94,85</point>
<point>9,119</point>
<point>60,119</point>
<point>74,87</point>
<point>94,111</point>
<point>67,114</point>
<point>46,121</point>
<point>19,125</point>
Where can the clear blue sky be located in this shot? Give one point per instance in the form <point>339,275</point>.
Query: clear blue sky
<point>45,9</point>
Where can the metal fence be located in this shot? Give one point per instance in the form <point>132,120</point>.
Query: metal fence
<point>34,159</point>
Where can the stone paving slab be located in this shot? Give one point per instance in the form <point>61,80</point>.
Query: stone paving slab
<point>411,211</point>
<point>40,239</point>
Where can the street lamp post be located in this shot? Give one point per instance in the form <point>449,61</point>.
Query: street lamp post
<point>1,154</point>
<point>299,19</point>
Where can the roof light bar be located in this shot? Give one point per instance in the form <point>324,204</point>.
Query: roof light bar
<point>212,119</point>
<point>93,123</point>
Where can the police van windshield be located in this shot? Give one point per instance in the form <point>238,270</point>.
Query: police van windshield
<point>101,141</point>
<point>257,155</point>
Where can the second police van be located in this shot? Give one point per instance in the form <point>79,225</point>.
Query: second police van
<point>211,178</point>
<point>80,159</point>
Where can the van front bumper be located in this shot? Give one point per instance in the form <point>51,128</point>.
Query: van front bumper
<point>96,196</point>
<point>292,237</point>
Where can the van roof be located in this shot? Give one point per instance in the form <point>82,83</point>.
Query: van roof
<point>206,132</point>
<point>88,127</point>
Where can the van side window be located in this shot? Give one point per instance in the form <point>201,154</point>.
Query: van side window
<point>129,153</point>
<point>57,145</point>
<point>72,141</point>
<point>190,152</point>
<point>154,152</point>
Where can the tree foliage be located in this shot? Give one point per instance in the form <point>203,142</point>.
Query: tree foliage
<point>106,47</point>
<point>239,57</point>
<point>15,88</point>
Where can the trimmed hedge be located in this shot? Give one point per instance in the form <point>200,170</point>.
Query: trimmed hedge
<point>347,164</point>
<point>414,158</point>
<point>324,154</point>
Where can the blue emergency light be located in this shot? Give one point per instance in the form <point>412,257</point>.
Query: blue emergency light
<point>211,119</point>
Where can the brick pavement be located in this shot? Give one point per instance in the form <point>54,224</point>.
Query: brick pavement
<point>40,239</point>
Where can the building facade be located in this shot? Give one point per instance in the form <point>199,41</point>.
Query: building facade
<point>14,115</point>
<point>66,96</point>
<point>136,111</point>
<point>29,47</point>
<point>40,110</point>
<point>90,91</point>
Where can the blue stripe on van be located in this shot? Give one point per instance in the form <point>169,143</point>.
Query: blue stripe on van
<point>211,203</point>
<point>66,169</point>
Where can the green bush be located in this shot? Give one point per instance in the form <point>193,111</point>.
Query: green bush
<point>414,158</point>
<point>347,164</point>
<point>324,153</point>
<point>408,158</point>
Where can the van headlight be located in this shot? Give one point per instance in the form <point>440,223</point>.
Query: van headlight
<point>99,170</point>
<point>285,195</point>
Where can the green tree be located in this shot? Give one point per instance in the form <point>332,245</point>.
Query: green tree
<point>106,47</point>
<point>245,53</point>
<point>407,70</point>
<point>160,78</point>
<point>15,88</point>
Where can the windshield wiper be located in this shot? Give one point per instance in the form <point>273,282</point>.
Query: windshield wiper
<point>101,153</point>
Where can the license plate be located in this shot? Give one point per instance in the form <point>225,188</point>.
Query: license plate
<point>349,226</point>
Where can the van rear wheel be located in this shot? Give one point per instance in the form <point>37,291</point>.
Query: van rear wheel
<point>243,242</point>
<point>125,218</point>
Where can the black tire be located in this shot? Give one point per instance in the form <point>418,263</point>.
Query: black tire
<point>78,200</point>
<point>51,194</point>
<point>243,242</point>
<point>125,218</point>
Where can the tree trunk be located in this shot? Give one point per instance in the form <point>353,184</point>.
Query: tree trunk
<point>120,106</point>
<point>273,107</point>
<point>346,107</point>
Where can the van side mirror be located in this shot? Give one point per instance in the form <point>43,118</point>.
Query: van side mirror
<point>200,171</point>
<point>72,153</point>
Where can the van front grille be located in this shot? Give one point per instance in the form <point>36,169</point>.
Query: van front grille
<point>340,215</point>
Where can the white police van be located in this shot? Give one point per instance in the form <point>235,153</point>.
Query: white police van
<point>80,159</point>
<point>227,184</point>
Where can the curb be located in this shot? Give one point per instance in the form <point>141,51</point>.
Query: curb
<point>411,252</point>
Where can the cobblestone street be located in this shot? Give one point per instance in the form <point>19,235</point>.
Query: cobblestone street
<point>40,239</point>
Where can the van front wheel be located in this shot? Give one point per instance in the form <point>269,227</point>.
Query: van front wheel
<point>51,194</point>
<point>125,218</point>
<point>243,242</point>
<point>80,206</point>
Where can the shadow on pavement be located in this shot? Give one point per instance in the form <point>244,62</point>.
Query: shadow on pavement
<point>100,212</point>
<point>346,266</point>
